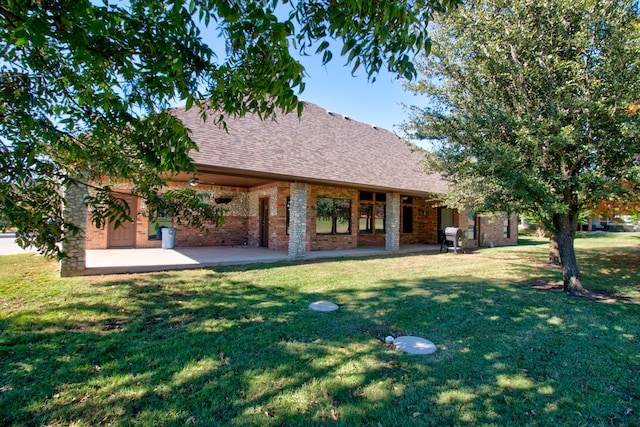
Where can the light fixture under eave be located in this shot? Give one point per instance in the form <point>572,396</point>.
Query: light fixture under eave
<point>193,182</point>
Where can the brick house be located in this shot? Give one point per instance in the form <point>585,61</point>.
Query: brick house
<point>319,182</point>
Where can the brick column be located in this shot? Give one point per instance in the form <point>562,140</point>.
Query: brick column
<point>298,221</point>
<point>74,211</point>
<point>392,223</point>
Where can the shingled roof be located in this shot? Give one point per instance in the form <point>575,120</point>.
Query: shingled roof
<point>319,147</point>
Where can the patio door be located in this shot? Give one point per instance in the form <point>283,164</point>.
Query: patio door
<point>263,218</point>
<point>124,236</point>
<point>445,219</point>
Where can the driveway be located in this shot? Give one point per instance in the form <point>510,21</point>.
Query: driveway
<point>8,245</point>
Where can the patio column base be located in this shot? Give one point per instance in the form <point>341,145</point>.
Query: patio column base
<point>74,211</point>
<point>392,223</point>
<point>298,221</point>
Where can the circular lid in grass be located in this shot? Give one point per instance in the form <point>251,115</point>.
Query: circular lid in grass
<point>323,306</point>
<point>414,345</point>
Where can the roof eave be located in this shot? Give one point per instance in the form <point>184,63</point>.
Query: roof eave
<point>293,178</point>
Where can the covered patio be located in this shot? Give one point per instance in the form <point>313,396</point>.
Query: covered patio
<point>119,261</point>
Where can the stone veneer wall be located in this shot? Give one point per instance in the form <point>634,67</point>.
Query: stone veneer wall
<point>392,223</point>
<point>298,220</point>
<point>75,212</point>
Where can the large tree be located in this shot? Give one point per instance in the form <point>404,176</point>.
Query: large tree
<point>85,88</point>
<point>532,108</point>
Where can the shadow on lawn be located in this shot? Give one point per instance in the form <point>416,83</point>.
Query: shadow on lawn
<point>233,352</point>
<point>609,275</point>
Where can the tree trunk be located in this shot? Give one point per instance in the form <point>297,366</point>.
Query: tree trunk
<point>554,250</point>
<point>566,226</point>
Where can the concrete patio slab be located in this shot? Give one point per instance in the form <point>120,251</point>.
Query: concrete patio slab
<point>117,261</point>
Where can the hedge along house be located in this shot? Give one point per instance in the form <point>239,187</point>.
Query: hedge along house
<point>319,182</point>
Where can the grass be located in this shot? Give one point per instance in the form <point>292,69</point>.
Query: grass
<point>239,346</point>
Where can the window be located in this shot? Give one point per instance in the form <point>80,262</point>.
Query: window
<point>471,230</point>
<point>407,219</point>
<point>381,212</point>
<point>333,216</point>
<point>160,218</point>
<point>288,225</point>
<point>366,195</point>
<point>365,218</point>
<point>372,212</point>
<point>407,214</point>
<point>506,228</point>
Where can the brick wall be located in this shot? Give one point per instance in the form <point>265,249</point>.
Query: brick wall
<point>278,224</point>
<point>242,222</point>
<point>96,237</point>
<point>233,233</point>
<point>467,224</point>
<point>323,242</point>
<point>425,223</point>
<point>492,226</point>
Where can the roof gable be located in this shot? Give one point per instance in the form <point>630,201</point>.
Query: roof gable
<point>319,146</point>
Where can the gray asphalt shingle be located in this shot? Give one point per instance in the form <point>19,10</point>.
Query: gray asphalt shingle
<point>319,146</point>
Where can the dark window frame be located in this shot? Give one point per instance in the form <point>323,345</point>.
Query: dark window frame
<point>159,219</point>
<point>287,227</point>
<point>334,214</point>
<point>377,203</point>
<point>407,219</point>
<point>506,228</point>
<point>472,225</point>
<point>407,213</point>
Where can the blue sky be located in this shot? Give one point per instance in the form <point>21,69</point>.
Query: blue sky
<point>334,88</point>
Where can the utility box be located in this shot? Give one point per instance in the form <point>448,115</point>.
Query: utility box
<point>168,237</point>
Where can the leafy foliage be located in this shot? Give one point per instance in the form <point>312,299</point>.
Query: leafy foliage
<point>85,87</point>
<point>533,106</point>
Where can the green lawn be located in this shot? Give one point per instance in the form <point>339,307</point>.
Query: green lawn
<point>239,346</point>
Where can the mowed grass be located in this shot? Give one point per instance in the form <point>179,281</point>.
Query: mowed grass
<point>240,347</point>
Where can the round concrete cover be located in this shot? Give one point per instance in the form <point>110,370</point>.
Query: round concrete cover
<point>323,306</point>
<point>414,345</point>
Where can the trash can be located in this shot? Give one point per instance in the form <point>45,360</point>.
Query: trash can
<point>168,237</point>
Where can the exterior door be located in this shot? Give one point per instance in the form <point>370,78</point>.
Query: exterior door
<point>445,219</point>
<point>124,236</point>
<point>264,222</point>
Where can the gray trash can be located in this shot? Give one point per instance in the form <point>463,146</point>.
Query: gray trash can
<point>168,237</point>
